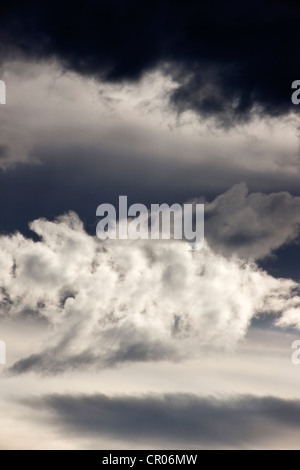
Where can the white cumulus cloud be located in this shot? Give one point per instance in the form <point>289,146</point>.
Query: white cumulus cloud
<point>107,303</point>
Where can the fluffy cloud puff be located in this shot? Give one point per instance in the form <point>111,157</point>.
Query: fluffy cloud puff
<point>107,303</point>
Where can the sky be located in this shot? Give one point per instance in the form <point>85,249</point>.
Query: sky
<point>142,344</point>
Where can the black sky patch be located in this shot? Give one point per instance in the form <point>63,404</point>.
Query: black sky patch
<point>230,59</point>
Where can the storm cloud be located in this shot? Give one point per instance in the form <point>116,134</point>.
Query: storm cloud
<point>228,61</point>
<point>116,302</point>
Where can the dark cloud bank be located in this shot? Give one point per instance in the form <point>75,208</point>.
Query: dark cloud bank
<point>229,60</point>
<point>176,419</point>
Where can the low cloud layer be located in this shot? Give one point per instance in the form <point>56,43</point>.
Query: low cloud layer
<point>251,225</point>
<point>175,420</point>
<point>116,302</point>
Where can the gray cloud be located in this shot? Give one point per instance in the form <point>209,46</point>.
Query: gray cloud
<point>176,420</point>
<point>251,225</point>
<point>115,302</point>
<point>133,346</point>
